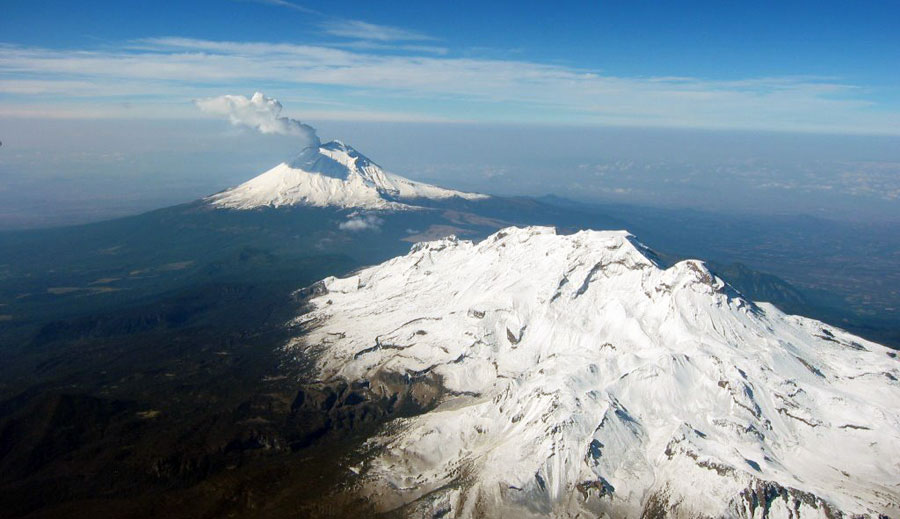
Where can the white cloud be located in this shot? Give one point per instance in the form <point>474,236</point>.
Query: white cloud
<point>260,113</point>
<point>285,3</point>
<point>367,222</point>
<point>371,45</point>
<point>169,70</point>
<point>356,29</point>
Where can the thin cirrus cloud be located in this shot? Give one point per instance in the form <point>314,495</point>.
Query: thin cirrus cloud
<point>286,4</point>
<point>370,45</point>
<point>162,75</point>
<point>369,31</point>
<point>352,29</point>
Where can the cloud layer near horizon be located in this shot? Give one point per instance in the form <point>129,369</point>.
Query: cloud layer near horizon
<point>157,77</point>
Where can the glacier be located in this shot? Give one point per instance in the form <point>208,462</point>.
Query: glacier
<point>579,377</point>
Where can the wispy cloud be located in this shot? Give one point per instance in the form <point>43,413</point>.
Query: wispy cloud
<point>420,85</point>
<point>350,28</point>
<point>285,3</point>
<point>377,46</point>
<point>357,29</point>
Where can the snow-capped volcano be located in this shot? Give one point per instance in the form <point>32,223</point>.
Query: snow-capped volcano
<point>336,175</point>
<point>580,378</point>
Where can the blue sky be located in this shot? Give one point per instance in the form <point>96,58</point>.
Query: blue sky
<point>807,66</point>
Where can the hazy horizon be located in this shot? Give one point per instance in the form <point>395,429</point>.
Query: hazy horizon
<point>60,171</point>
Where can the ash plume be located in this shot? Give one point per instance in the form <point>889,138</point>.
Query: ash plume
<point>259,112</point>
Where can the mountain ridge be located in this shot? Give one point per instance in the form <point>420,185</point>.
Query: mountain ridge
<point>578,376</point>
<point>332,175</point>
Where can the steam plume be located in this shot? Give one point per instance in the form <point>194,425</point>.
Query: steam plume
<point>260,113</point>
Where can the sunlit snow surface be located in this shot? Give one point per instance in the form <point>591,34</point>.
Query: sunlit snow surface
<point>583,378</point>
<point>335,175</point>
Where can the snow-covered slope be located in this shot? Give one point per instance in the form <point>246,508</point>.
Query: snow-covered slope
<point>333,174</point>
<point>580,378</point>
